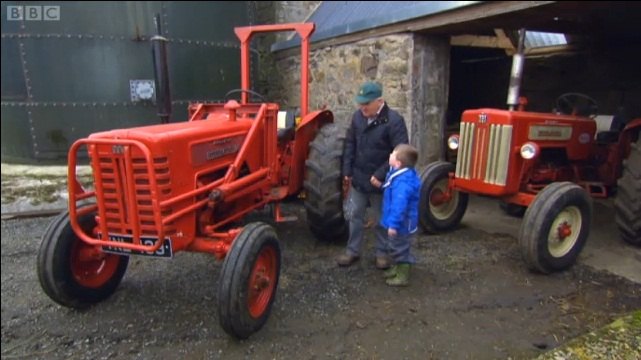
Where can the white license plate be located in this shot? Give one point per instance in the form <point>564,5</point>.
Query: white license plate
<point>164,251</point>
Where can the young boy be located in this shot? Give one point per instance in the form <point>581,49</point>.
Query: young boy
<point>401,192</point>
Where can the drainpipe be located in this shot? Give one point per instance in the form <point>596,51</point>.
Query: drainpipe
<point>161,73</point>
<point>517,73</point>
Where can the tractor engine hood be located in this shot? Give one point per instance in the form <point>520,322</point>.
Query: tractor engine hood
<point>176,132</point>
<point>197,141</point>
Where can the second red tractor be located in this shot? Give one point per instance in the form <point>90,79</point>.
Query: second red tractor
<point>544,167</point>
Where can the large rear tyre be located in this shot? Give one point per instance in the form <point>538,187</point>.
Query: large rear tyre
<point>324,200</point>
<point>555,227</point>
<point>627,204</point>
<point>436,212</point>
<point>248,280</point>
<point>73,273</point>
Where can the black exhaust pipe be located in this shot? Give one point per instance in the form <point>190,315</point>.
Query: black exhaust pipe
<point>517,73</point>
<point>161,73</point>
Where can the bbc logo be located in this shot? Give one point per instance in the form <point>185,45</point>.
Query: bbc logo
<point>33,12</point>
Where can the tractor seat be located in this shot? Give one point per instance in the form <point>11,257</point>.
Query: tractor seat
<point>607,137</point>
<point>608,128</point>
<point>286,125</point>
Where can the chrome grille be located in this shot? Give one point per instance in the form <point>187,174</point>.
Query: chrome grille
<point>122,205</point>
<point>484,153</point>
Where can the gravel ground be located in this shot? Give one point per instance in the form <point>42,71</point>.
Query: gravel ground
<point>470,298</point>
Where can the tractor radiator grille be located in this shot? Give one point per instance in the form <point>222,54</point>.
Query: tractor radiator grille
<point>123,206</point>
<point>484,152</point>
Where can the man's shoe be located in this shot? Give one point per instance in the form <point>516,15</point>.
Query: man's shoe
<point>368,223</point>
<point>383,262</point>
<point>346,259</point>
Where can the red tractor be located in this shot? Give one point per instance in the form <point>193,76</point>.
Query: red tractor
<point>184,186</point>
<point>548,163</point>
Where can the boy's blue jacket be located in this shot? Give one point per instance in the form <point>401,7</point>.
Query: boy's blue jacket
<point>401,193</point>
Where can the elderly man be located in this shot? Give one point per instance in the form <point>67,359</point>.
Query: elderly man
<point>374,132</point>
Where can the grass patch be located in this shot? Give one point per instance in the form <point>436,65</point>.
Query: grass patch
<point>620,340</point>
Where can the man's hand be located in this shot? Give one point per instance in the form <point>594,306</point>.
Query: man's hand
<point>374,181</point>
<point>391,232</point>
<point>347,182</point>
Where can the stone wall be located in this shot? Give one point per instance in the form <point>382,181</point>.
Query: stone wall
<point>336,73</point>
<point>267,81</point>
<point>263,12</point>
<point>292,12</point>
<point>413,69</point>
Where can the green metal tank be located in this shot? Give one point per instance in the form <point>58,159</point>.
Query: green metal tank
<point>73,68</point>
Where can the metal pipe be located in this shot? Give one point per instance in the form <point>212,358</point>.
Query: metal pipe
<point>516,75</point>
<point>304,75</point>
<point>161,73</point>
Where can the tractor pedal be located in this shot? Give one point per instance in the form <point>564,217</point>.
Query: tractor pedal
<point>595,189</point>
<point>279,217</point>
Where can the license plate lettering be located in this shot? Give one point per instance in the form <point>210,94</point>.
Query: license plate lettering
<point>163,251</point>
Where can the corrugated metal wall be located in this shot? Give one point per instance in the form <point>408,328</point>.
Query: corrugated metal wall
<point>65,77</point>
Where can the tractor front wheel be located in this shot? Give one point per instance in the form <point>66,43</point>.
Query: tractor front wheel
<point>627,204</point>
<point>323,185</point>
<point>248,280</point>
<point>438,212</point>
<point>73,273</point>
<point>555,227</point>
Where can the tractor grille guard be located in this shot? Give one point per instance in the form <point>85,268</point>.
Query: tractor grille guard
<point>484,153</point>
<point>142,184</point>
<point>128,190</point>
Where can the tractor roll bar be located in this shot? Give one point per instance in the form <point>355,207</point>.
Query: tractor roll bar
<point>304,30</point>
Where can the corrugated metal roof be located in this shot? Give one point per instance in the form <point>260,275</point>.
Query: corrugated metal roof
<point>534,39</point>
<point>337,18</point>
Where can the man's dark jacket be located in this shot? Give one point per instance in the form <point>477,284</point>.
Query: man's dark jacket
<point>367,147</point>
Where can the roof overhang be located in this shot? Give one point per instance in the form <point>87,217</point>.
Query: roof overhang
<point>493,24</point>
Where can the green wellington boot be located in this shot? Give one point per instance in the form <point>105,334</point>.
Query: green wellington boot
<point>390,273</point>
<point>402,277</point>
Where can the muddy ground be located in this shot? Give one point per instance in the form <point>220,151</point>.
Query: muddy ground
<point>470,297</point>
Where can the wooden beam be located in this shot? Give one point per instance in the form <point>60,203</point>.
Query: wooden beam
<point>550,50</point>
<point>496,42</point>
<point>505,40</point>
<point>475,41</point>
<point>502,41</point>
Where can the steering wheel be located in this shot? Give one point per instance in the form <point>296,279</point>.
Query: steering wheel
<point>240,91</point>
<point>576,104</point>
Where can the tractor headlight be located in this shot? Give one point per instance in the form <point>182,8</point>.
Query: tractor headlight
<point>452,142</point>
<point>529,150</point>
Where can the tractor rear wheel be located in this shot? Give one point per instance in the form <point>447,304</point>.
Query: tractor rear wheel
<point>324,197</point>
<point>555,227</point>
<point>248,280</point>
<point>436,212</point>
<point>627,204</point>
<point>73,273</point>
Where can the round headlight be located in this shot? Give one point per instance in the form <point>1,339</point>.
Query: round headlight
<point>529,150</point>
<point>452,142</point>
